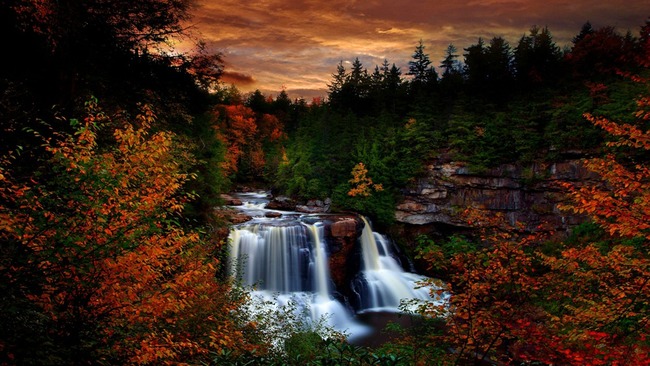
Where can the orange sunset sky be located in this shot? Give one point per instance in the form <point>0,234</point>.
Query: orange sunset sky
<point>296,45</point>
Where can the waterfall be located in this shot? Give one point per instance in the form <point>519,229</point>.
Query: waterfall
<point>285,261</point>
<point>273,258</point>
<point>322,275</point>
<point>383,284</point>
<point>289,263</point>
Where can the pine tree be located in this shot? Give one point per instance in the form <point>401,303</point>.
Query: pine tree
<point>585,31</point>
<point>476,64</point>
<point>420,67</point>
<point>536,57</point>
<point>449,64</point>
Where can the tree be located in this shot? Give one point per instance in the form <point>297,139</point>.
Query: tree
<point>132,24</point>
<point>476,64</point>
<point>336,87</point>
<point>583,300</point>
<point>258,103</point>
<point>95,267</point>
<point>339,78</point>
<point>237,127</point>
<point>602,52</point>
<point>499,65</point>
<point>358,80</point>
<point>452,77</point>
<point>536,57</point>
<point>362,185</point>
<point>420,68</point>
<point>585,31</point>
<point>603,287</point>
<point>450,64</point>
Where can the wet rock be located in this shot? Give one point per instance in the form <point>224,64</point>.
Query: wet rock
<point>230,200</point>
<point>346,228</point>
<point>281,203</point>
<point>315,206</point>
<point>273,214</point>
<point>239,218</point>
<point>309,209</point>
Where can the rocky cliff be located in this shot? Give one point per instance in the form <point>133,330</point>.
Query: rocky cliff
<point>525,194</point>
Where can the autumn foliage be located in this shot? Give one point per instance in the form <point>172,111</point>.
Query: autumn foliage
<point>94,253</point>
<point>362,184</point>
<point>527,297</point>
<point>253,142</point>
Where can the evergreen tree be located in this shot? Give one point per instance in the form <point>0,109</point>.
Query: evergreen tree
<point>499,64</point>
<point>258,103</point>
<point>450,64</point>
<point>357,88</point>
<point>376,78</point>
<point>282,103</point>
<point>336,87</point>
<point>420,67</point>
<point>536,57</point>
<point>358,79</point>
<point>476,65</point>
<point>452,78</point>
<point>585,31</point>
<point>385,67</point>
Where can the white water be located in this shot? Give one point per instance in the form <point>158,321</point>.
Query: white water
<point>286,261</point>
<point>322,274</point>
<point>383,282</point>
<point>288,264</point>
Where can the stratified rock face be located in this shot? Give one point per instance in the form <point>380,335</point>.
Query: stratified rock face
<point>524,194</point>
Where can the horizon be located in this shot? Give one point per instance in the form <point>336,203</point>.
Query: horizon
<point>270,47</point>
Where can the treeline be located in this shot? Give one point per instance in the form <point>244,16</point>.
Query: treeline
<point>489,104</point>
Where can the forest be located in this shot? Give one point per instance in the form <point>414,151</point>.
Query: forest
<point>115,149</point>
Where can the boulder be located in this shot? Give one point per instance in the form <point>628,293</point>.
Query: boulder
<point>230,200</point>
<point>239,218</point>
<point>346,228</point>
<point>282,203</point>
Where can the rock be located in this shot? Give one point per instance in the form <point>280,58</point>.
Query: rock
<point>281,203</point>
<point>346,228</point>
<point>273,214</point>
<point>240,218</point>
<point>343,233</point>
<point>315,206</point>
<point>310,209</point>
<point>230,200</point>
<point>327,204</point>
<point>528,194</point>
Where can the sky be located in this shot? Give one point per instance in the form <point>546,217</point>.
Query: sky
<point>274,45</point>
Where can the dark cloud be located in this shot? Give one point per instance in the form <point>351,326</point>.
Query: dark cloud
<point>275,44</point>
<point>237,78</point>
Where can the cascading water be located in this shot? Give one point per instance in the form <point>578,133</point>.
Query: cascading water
<point>382,283</point>
<point>273,258</point>
<point>286,260</point>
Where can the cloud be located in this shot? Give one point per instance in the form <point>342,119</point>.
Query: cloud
<point>275,44</point>
<point>237,78</point>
